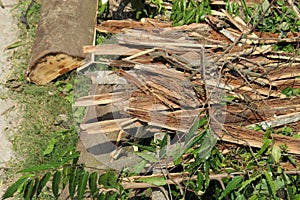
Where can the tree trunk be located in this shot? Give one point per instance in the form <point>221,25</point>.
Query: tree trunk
<point>64,28</point>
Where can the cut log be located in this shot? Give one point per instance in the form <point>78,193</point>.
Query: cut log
<point>64,28</point>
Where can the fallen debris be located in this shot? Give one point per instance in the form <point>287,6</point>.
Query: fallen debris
<point>153,77</point>
<point>159,82</point>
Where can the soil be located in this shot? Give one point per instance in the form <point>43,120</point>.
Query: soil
<point>8,35</point>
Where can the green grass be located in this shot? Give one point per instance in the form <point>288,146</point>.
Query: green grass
<point>46,110</point>
<point>46,130</point>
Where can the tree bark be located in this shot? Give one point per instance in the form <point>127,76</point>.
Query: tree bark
<point>64,28</point>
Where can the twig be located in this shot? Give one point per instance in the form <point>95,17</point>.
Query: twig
<point>24,16</point>
<point>1,4</point>
<point>129,184</point>
<point>278,121</point>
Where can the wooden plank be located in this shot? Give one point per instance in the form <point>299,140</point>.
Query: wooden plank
<point>243,136</point>
<point>101,99</point>
<point>109,126</point>
<point>111,49</point>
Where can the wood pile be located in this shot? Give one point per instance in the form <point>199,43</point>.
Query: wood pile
<point>164,79</point>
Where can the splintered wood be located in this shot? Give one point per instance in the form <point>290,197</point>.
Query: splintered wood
<point>151,94</point>
<point>158,81</point>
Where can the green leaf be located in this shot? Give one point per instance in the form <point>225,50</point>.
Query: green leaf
<point>276,153</point>
<point>55,165</point>
<point>142,147</point>
<point>190,17</point>
<point>270,183</point>
<point>232,185</point>
<point>93,184</point>
<point>292,160</point>
<point>254,197</point>
<point>55,183</point>
<point>247,182</point>
<point>264,147</point>
<point>230,98</point>
<point>40,168</point>
<point>43,183</point>
<point>37,183</point>
<point>14,187</point>
<point>139,166</point>
<point>67,170</point>
<point>111,196</point>
<point>200,181</point>
<point>296,136</point>
<point>50,147</point>
<point>73,181</point>
<point>112,179</point>
<point>28,190</point>
<point>158,181</point>
<point>280,2</point>
<point>177,155</point>
<point>296,91</point>
<point>193,130</point>
<point>150,157</point>
<point>82,185</point>
<point>297,196</point>
<point>279,183</point>
<point>102,196</point>
<point>206,146</point>
<point>73,157</point>
<point>206,171</point>
<point>15,45</point>
<point>288,91</point>
<point>196,140</point>
<point>103,179</point>
<point>239,196</point>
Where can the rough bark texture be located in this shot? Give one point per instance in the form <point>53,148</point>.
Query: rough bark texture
<point>64,28</point>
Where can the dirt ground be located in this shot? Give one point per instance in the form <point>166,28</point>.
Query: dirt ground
<point>8,35</point>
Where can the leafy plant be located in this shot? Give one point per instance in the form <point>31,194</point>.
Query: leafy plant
<point>187,12</point>
<point>63,174</point>
<point>232,7</point>
<point>140,8</point>
<point>288,91</point>
<point>280,18</point>
<point>102,8</point>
